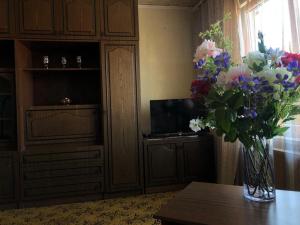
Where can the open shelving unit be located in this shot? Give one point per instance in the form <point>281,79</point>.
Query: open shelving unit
<point>47,119</point>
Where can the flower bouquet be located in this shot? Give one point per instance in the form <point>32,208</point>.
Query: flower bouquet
<point>250,102</point>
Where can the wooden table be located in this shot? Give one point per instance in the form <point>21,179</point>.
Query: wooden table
<point>216,204</point>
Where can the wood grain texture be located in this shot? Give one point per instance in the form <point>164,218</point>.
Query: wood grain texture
<point>37,16</point>
<point>211,204</point>
<point>4,16</point>
<point>62,123</point>
<point>120,18</point>
<point>123,147</point>
<point>79,17</point>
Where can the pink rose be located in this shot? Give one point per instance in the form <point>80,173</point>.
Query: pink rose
<point>206,49</point>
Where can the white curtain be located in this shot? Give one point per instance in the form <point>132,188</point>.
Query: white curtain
<point>279,20</point>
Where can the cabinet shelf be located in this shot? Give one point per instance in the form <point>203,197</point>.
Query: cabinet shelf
<point>60,69</point>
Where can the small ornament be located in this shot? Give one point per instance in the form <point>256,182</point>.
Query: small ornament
<point>64,62</point>
<point>46,61</point>
<point>66,101</point>
<point>79,61</point>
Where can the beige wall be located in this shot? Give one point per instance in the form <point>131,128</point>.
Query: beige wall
<point>166,55</point>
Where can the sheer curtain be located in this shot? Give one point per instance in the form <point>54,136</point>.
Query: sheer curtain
<point>279,20</point>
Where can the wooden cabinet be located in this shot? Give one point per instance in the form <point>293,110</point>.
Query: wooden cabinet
<point>178,160</point>
<point>8,178</point>
<point>6,17</point>
<point>37,16</point>
<point>121,79</point>
<point>80,17</point>
<point>59,19</point>
<point>120,18</point>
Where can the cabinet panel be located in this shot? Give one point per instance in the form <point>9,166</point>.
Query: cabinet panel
<point>7,176</point>
<point>120,18</point>
<point>198,160</point>
<point>120,63</point>
<point>63,123</point>
<point>37,16</point>
<point>161,165</point>
<point>79,17</point>
<point>4,16</point>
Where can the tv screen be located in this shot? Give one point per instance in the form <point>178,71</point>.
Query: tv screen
<point>174,115</point>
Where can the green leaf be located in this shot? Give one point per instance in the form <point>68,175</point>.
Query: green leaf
<point>223,119</point>
<point>227,95</point>
<point>279,131</point>
<point>236,101</point>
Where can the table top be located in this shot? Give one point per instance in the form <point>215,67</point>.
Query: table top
<point>217,204</point>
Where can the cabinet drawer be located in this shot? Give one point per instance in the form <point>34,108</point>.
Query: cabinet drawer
<point>61,181</point>
<point>72,172</point>
<point>61,123</point>
<point>64,190</point>
<point>62,156</point>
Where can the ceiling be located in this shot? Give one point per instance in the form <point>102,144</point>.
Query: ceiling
<point>182,3</point>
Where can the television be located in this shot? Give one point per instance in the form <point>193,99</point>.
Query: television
<point>172,116</point>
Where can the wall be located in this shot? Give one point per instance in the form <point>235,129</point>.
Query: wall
<point>166,55</point>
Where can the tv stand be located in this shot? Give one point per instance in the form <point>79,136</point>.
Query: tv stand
<point>171,162</point>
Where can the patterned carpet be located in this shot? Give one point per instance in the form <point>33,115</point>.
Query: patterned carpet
<point>122,211</point>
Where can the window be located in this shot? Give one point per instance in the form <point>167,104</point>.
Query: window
<point>279,20</point>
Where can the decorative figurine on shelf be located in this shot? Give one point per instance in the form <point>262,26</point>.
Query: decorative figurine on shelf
<point>79,61</point>
<point>66,101</point>
<point>64,62</point>
<point>46,61</point>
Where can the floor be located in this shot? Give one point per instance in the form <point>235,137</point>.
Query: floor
<point>122,211</point>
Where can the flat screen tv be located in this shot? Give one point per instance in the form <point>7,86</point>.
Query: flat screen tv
<point>172,116</point>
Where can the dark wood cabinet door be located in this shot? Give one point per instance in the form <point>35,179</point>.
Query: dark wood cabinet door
<point>37,16</point>
<point>198,159</point>
<point>161,167</point>
<point>7,177</point>
<point>120,18</point>
<point>80,17</point>
<point>123,146</point>
<point>4,17</point>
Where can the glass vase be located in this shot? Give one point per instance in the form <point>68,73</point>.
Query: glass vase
<point>258,166</point>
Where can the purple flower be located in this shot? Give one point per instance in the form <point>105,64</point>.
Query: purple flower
<point>294,67</point>
<point>222,60</point>
<point>250,112</point>
<point>199,64</point>
<point>283,80</point>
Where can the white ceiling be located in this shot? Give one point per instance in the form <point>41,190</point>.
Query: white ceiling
<point>183,3</point>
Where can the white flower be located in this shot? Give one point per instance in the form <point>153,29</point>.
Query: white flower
<point>196,125</point>
<point>206,49</point>
<point>274,55</point>
<point>255,58</point>
<point>226,79</point>
<point>270,74</point>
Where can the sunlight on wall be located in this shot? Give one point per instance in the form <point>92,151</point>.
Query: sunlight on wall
<point>166,55</point>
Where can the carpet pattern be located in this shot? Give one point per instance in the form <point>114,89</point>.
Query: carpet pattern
<point>122,211</point>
